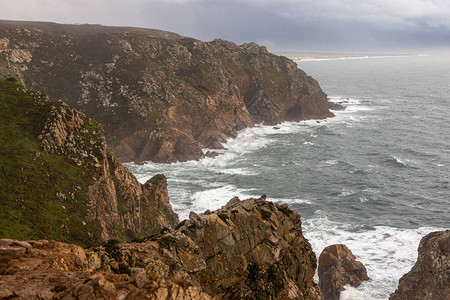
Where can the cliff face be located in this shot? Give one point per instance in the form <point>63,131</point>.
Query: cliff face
<point>429,278</point>
<point>250,249</point>
<point>60,181</point>
<point>160,96</point>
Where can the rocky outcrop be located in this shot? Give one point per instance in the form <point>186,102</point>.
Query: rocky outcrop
<point>60,181</point>
<point>338,267</point>
<point>429,278</point>
<point>48,270</point>
<point>249,249</point>
<point>160,96</point>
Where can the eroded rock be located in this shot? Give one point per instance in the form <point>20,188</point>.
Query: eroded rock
<point>251,248</point>
<point>429,278</point>
<point>338,267</point>
<point>73,189</point>
<point>160,96</point>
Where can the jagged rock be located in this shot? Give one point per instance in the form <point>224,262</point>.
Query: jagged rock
<point>75,190</point>
<point>338,267</point>
<point>250,249</point>
<point>253,248</point>
<point>160,96</point>
<point>429,278</point>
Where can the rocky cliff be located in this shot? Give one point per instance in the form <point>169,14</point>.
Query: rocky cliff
<point>160,96</point>
<point>58,180</point>
<point>429,278</point>
<point>250,249</point>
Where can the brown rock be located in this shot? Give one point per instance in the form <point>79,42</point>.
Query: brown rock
<point>212,154</point>
<point>337,268</point>
<point>429,278</point>
<point>160,96</point>
<point>251,248</point>
<point>97,287</point>
<point>141,212</point>
<point>336,106</point>
<point>76,190</point>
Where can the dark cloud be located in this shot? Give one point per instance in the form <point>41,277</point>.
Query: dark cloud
<point>304,25</point>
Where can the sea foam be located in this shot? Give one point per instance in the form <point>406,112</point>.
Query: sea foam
<point>387,253</point>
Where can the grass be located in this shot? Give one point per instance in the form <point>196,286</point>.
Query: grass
<point>31,178</point>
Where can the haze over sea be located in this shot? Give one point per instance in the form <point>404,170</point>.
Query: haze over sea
<point>375,177</point>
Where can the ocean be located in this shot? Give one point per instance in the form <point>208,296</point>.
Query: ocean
<point>375,177</point>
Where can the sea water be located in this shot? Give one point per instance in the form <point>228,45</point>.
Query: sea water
<point>375,177</point>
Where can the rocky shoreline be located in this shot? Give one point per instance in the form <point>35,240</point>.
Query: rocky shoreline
<point>251,249</point>
<point>63,189</point>
<point>160,96</point>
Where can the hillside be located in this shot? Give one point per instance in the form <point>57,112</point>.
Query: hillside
<point>58,180</point>
<point>160,96</point>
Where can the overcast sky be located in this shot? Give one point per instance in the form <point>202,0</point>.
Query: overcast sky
<point>281,25</point>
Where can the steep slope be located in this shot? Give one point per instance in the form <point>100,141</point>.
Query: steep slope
<point>160,96</point>
<point>429,278</point>
<point>251,249</point>
<point>59,181</point>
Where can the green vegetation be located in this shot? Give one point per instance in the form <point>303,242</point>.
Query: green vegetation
<point>223,217</point>
<point>266,284</point>
<point>121,201</point>
<point>181,224</point>
<point>124,261</point>
<point>265,214</point>
<point>167,242</point>
<point>113,250</point>
<point>286,210</point>
<point>42,195</point>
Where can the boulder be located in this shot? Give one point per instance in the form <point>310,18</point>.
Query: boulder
<point>429,278</point>
<point>338,267</point>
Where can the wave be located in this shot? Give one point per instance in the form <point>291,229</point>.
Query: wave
<point>347,58</point>
<point>386,252</point>
<point>399,162</point>
<point>250,140</point>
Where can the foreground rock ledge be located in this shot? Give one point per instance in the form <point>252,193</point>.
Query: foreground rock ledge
<point>338,267</point>
<point>252,248</point>
<point>429,279</point>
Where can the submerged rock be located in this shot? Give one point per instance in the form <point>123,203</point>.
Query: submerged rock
<point>250,249</point>
<point>429,278</point>
<point>338,267</point>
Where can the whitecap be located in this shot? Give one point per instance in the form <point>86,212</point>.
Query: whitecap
<point>347,192</point>
<point>213,199</point>
<point>351,293</point>
<point>290,201</point>
<point>386,252</point>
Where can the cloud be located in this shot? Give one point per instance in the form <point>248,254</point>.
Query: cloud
<point>295,24</point>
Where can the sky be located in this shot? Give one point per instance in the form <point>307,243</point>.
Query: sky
<point>346,26</point>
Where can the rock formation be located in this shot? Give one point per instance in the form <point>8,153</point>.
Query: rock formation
<point>249,249</point>
<point>429,278</point>
<point>58,180</point>
<point>160,96</point>
<point>338,267</point>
